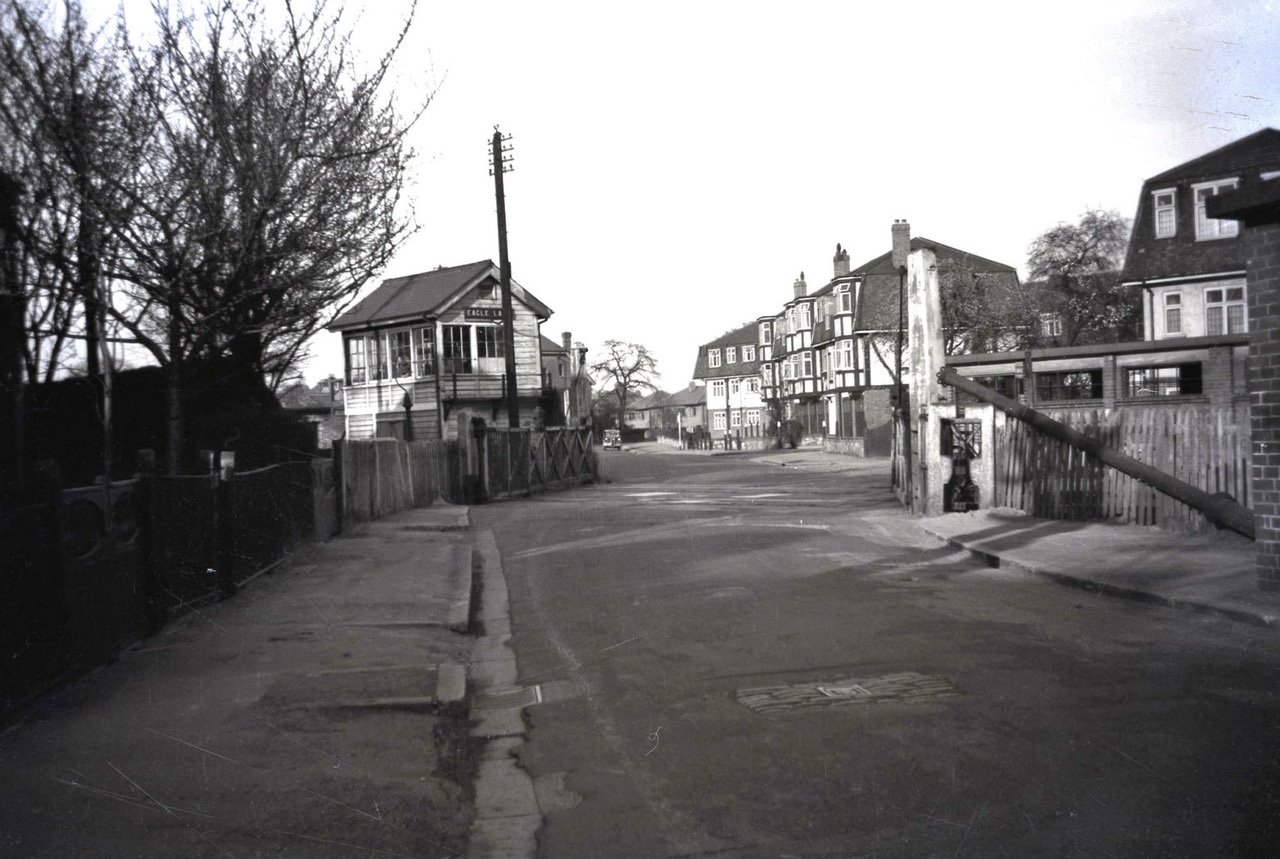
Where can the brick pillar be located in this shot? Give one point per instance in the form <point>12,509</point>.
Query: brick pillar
<point>1263,253</point>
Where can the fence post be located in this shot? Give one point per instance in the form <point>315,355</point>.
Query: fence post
<point>223,481</point>
<point>153,612</point>
<point>339,483</point>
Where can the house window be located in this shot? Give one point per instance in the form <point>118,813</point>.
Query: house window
<point>1006,385</point>
<point>753,384</point>
<point>355,361</point>
<point>844,299</point>
<point>374,350</point>
<point>748,353</point>
<point>489,342</point>
<point>806,315</point>
<point>426,360</point>
<point>401,354</point>
<point>1224,311</point>
<point>457,349</point>
<point>1179,380</point>
<point>717,421</point>
<point>1213,228</point>
<point>1069,385</point>
<point>736,419</point>
<point>1166,217</point>
<point>766,333</point>
<point>731,355</point>
<point>1051,325</point>
<point>753,417</point>
<point>717,389</point>
<point>713,358</point>
<point>1173,313</point>
<point>806,363</point>
<point>844,355</point>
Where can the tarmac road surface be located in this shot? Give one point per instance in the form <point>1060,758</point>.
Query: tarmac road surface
<point>733,658</point>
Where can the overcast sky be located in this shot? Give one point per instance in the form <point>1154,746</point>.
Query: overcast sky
<point>678,164</point>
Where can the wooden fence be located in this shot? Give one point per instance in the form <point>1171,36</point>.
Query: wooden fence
<point>384,476</point>
<point>1048,478</point>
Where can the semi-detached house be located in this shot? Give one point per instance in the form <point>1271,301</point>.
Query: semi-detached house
<point>729,367</point>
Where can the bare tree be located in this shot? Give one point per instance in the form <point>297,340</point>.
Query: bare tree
<point>629,368</point>
<point>62,102</point>
<point>235,184</point>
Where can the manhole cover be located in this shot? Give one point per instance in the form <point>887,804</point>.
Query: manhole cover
<point>904,687</point>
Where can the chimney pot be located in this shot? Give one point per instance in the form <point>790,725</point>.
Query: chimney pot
<point>841,261</point>
<point>800,287</point>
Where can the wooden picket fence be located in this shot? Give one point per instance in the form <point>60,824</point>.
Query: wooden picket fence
<point>1049,478</point>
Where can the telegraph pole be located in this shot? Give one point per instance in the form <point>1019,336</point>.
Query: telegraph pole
<point>500,163</point>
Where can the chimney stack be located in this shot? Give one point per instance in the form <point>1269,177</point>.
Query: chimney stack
<point>901,242</point>
<point>841,261</point>
<point>800,286</point>
<point>567,339</point>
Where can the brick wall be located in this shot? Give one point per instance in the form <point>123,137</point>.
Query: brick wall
<point>1263,247</point>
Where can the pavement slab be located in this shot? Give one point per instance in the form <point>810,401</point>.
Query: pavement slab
<point>318,712</point>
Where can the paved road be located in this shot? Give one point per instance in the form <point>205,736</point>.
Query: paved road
<point>742,659</point>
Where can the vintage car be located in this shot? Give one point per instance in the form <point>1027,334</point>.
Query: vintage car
<point>612,439</point>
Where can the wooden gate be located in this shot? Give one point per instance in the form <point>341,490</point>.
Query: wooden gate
<point>522,461</point>
<point>1051,479</point>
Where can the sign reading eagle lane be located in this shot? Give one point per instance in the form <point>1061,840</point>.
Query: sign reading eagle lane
<point>483,313</point>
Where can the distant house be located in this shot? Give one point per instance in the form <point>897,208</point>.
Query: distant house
<point>320,404</point>
<point>425,350</point>
<point>566,382</point>
<point>729,369</point>
<point>640,410</point>
<point>1189,265</point>
<point>688,407</point>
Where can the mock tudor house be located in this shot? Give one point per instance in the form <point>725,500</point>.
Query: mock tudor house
<point>424,349</point>
<point>729,367</point>
<point>1190,266</point>
<point>829,359</point>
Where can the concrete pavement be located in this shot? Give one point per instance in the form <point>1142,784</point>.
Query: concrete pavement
<point>1212,573</point>
<point>319,712</point>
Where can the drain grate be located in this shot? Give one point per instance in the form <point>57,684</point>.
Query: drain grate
<point>904,687</point>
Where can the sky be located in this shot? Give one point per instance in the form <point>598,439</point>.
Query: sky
<point>678,164</point>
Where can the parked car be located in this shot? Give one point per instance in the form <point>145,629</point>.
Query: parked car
<point>612,439</point>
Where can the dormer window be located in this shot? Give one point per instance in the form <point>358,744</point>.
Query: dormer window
<point>713,358</point>
<point>1165,214</point>
<point>1213,228</point>
<point>748,353</point>
<point>844,299</point>
<point>731,355</point>
<point>806,315</point>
